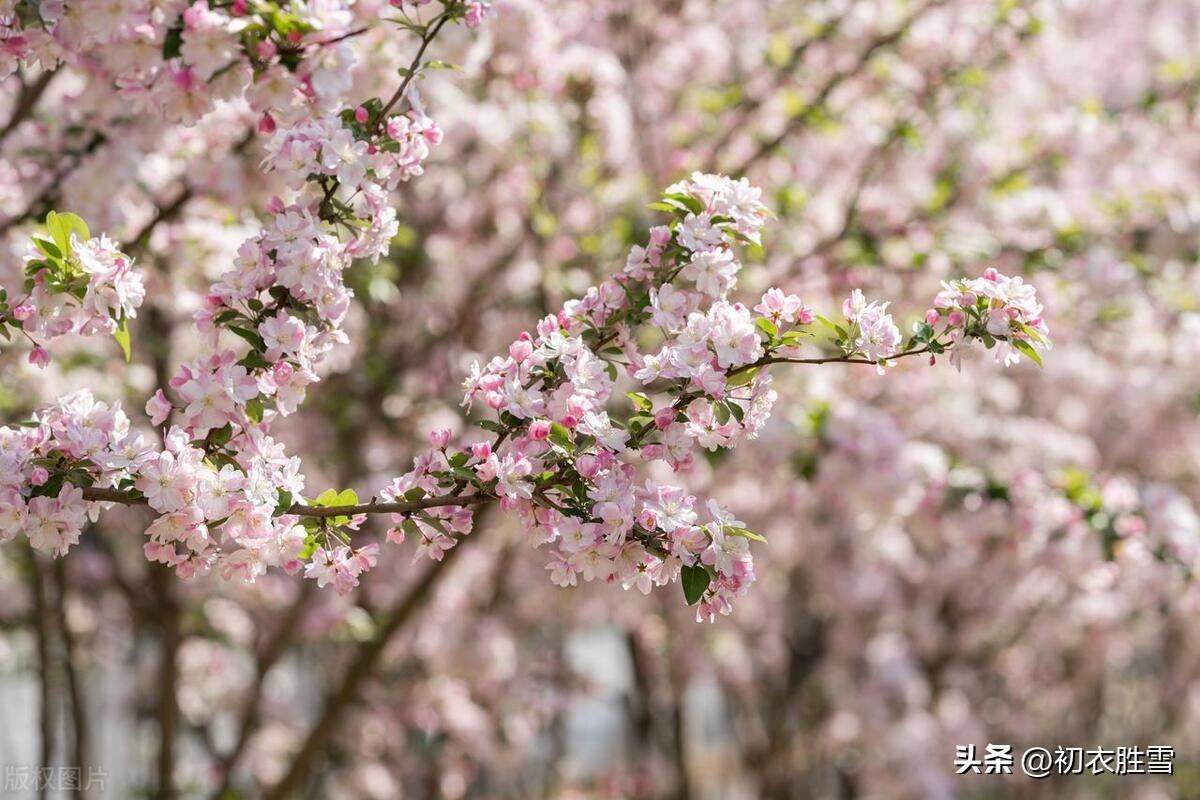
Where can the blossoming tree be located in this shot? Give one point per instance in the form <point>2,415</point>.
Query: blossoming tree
<point>293,126</point>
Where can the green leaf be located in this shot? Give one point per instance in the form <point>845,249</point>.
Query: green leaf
<point>695,582</point>
<point>687,201</point>
<point>61,226</point>
<point>1032,333</point>
<point>254,409</point>
<point>325,498</point>
<point>442,65</point>
<point>1028,350</point>
<point>465,474</point>
<point>828,323</point>
<point>221,436</point>
<point>560,435</point>
<point>766,326</point>
<point>662,207</point>
<point>640,400</point>
<point>347,497</point>
<point>745,533</point>
<point>121,334</point>
<point>172,42</point>
<point>250,336</point>
<point>742,378</point>
<point>48,247</point>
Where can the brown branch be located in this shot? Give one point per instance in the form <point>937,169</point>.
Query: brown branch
<point>75,693</point>
<point>27,100</point>
<point>270,654</point>
<point>168,679</point>
<point>42,624</point>
<point>97,495</point>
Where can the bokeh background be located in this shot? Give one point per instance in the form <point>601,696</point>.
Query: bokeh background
<point>991,556</point>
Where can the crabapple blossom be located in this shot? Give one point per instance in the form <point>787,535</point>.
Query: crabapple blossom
<point>569,459</point>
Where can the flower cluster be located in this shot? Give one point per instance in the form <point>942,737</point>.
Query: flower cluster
<point>1001,311</point>
<point>564,460</point>
<point>73,284</point>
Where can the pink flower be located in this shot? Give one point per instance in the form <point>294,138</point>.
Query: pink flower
<point>779,307</point>
<point>39,357</point>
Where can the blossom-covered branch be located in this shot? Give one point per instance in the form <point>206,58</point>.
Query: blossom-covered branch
<point>564,453</point>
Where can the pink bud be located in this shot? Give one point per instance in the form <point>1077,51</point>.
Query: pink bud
<point>266,124</point>
<point>40,475</point>
<point>521,349</point>
<point>539,430</point>
<point>158,408</point>
<point>481,450</point>
<point>275,205</point>
<point>39,357</point>
<point>932,317</point>
<point>433,134</point>
<point>956,318</point>
<point>283,372</point>
<point>991,274</point>
<point>439,438</point>
<point>240,7</point>
<point>266,50</point>
<point>23,311</point>
<point>664,417</point>
<point>361,115</point>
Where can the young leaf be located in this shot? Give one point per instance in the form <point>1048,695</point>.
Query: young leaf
<point>61,226</point>
<point>745,534</point>
<point>1028,350</point>
<point>640,400</point>
<point>325,498</point>
<point>742,378</point>
<point>766,326</point>
<point>121,334</point>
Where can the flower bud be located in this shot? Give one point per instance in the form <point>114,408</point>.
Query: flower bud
<point>539,430</point>
<point>439,438</point>
<point>39,357</point>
